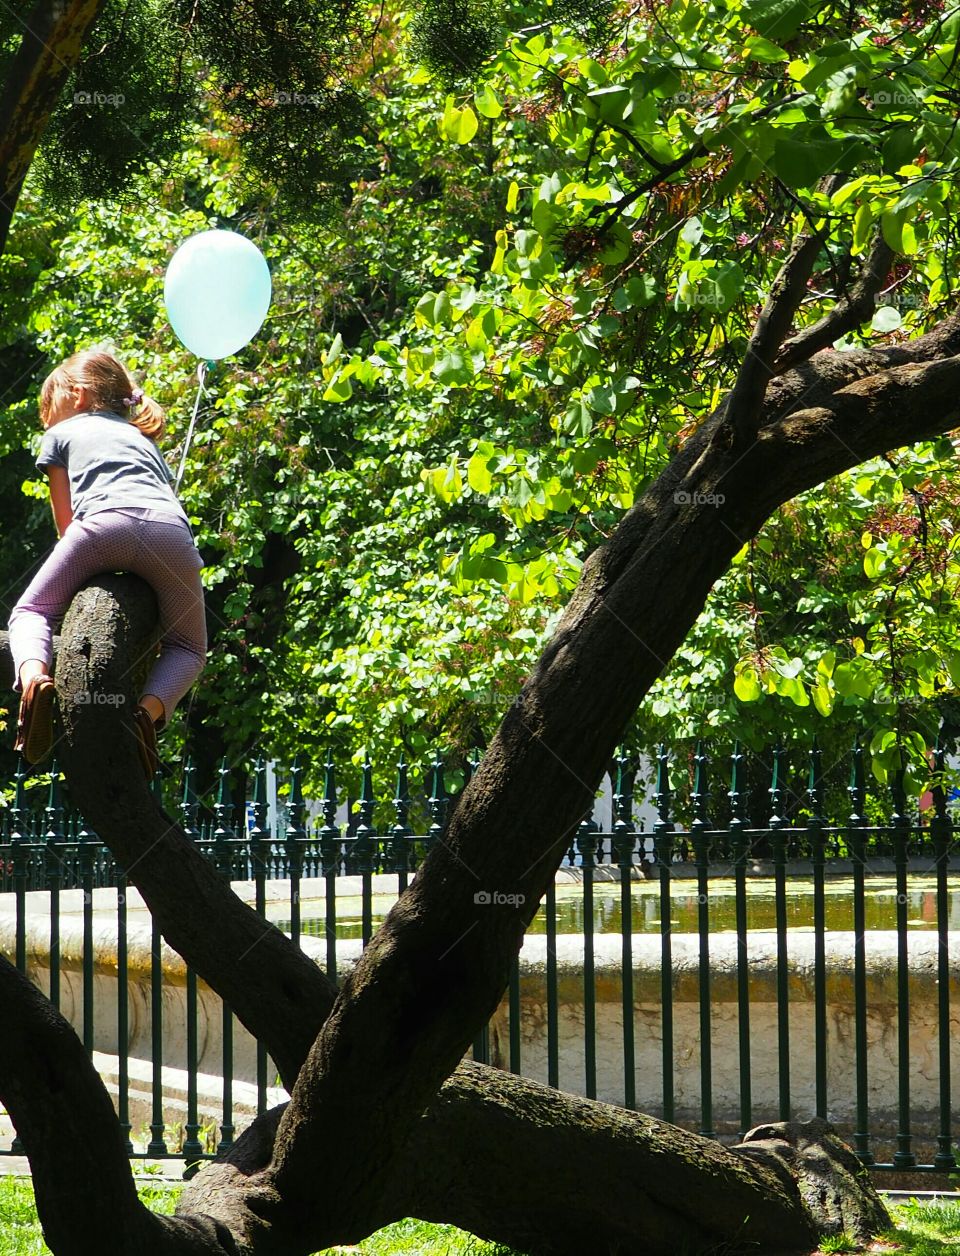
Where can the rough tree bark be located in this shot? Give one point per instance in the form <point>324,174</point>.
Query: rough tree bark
<point>53,35</point>
<point>380,1083</point>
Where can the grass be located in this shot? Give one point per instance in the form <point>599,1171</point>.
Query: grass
<point>839,1243</point>
<point>926,1229</point>
<point>922,1229</point>
<point>20,1233</point>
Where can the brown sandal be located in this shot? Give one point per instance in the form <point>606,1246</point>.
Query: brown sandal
<point>35,720</point>
<point>146,741</point>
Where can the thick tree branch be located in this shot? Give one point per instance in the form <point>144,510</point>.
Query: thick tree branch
<point>52,42</point>
<point>86,1196</point>
<point>476,1135</point>
<point>850,311</point>
<point>225,1203</point>
<point>107,638</point>
<point>60,1109</point>
<point>813,383</point>
<point>773,323</point>
<point>503,1157</point>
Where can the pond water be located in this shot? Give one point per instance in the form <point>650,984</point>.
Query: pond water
<point>880,907</point>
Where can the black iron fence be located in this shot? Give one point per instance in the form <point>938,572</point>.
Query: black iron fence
<point>716,975</point>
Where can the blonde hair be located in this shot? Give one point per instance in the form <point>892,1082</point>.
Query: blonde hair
<point>109,386</point>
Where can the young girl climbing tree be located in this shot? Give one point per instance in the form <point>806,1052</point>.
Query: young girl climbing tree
<point>115,510</point>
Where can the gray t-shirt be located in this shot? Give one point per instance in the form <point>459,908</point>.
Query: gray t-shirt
<point>111,465</point>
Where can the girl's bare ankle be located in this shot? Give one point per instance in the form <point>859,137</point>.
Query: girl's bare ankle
<point>30,670</point>
<point>153,707</point>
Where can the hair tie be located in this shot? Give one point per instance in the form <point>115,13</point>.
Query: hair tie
<point>134,399</point>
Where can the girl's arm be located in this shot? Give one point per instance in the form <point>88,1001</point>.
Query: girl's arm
<point>60,498</point>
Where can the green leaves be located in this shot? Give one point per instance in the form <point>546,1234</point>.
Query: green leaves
<point>709,284</point>
<point>453,367</point>
<point>757,48</point>
<point>776,19</point>
<point>898,231</point>
<point>487,102</point>
<point>511,329</point>
<point>478,473</point>
<point>842,92</point>
<point>892,751</point>
<point>339,389</point>
<point>746,683</point>
<point>446,482</point>
<point>874,563</point>
<point>608,104</point>
<point>857,677</point>
<point>802,156</point>
<point>614,396</point>
<point>458,126</point>
<point>434,308</point>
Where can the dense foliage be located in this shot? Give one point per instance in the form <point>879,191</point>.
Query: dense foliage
<point>542,277</point>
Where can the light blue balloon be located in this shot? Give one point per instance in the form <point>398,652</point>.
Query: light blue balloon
<point>217,292</point>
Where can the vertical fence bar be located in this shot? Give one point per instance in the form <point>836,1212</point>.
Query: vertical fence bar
<point>401,831</point>
<point>259,840</point>
<point>364,850</point>
<point>779,842</point>
<point>226,1120</point>
<point>18,859</point>
<point>18,868</point>
<point>481,1044</point>
<point>330,856</point>
<point>553,1008</point>
<point>192,1147</point>
<point>942,835</point>
<point>624,842</point>
<point>663,853</point>
<point>295,838</point>
<point>513,998</point>
<point>740,849</point>
<point>53,865</point>
<point>856,836</point>
<point>903,1157</point>
<point>156,1146</point>
<point>587,847</point>
<point>817,851</point>
<point>123,994</point>
<point>223,836</point>
<point>437,802</point>
<point>699,826</point>
<point>87,845</point>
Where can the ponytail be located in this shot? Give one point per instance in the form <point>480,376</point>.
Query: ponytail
<point>148,415</point>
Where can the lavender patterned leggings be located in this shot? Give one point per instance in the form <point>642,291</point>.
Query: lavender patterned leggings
<point>148,543</point>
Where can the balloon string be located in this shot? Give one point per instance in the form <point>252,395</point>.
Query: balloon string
<point>201,376</point>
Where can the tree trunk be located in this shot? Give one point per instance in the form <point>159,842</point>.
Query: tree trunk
<point>346,1153</point>
<point>107,642</point>
<point>53,37</point>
